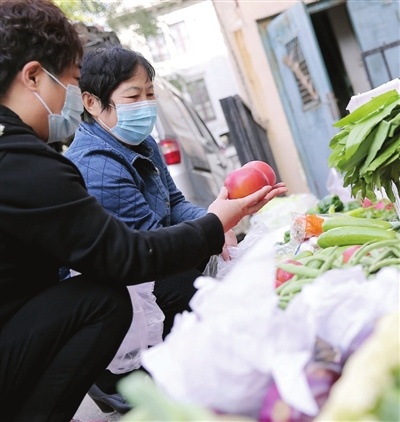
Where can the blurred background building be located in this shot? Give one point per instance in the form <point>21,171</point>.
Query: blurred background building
<point>274,75</point>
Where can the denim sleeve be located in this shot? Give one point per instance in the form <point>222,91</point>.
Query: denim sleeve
<point>181,210</point>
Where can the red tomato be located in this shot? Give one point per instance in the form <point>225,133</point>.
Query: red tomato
<point>244,181</point>
<point>265,168</point>
<point>348,253</point>
<point>282,276</point>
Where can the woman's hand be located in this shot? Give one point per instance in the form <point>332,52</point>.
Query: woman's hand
<point>231,211</point>
<point>230,240</point>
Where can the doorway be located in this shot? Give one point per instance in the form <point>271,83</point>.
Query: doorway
<point>324,22</point>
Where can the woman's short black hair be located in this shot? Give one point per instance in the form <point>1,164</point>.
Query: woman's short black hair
<point>35,30</point>
<point>105,68</point>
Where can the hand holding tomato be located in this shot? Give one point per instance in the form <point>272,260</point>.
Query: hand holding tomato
<point>244,181</point>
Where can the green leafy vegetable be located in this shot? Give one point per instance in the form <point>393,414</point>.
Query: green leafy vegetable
<point>367,148</point>
<point>326,205</point>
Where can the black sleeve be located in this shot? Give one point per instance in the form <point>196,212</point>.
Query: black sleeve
<point>44,203</point>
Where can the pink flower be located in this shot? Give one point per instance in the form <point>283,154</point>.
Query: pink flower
<point>365,203</point>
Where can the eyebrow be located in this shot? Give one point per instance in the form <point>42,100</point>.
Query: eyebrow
<point>130,88</point>
<point>136,88</point>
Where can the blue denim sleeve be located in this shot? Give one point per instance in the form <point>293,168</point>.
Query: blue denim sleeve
<point>181,210</point>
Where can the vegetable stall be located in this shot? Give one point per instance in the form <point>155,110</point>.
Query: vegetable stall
<point>303,324</point>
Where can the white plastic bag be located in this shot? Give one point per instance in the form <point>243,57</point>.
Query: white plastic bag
<point>145,330</point>
<point>334,184</point>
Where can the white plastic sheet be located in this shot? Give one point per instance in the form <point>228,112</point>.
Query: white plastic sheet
<point>145,330</point>
<point>224,353</point>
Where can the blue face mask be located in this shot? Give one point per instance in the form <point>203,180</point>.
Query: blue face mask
<point>63,125</point>
<point>135,121</point>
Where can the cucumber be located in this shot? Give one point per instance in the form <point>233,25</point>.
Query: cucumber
<point>331,223</point>
<point>352,235</point>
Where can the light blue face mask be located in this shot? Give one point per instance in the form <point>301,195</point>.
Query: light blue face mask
<point>135,121</point>
<point>63,125</point>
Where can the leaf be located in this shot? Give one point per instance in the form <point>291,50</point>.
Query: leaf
<point>379,137</point>
<point>360,154</point>
<point>364,127</point>
<point>338,137</point>
<point>385,155</point>
<point>370,107</point>
<point>394,123</point>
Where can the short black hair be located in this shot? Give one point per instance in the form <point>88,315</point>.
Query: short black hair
<point>35,30</point>
<point>105,68</point>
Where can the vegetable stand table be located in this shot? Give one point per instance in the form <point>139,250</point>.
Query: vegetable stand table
<point>239,356</point>
<point>243,353</point>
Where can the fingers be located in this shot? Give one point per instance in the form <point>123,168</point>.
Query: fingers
<point>225,254</point>
<point>252,209</point>
<point>230,238</point>
<point>276,192</point>
<point>223,193</point>
<point>257,196</point>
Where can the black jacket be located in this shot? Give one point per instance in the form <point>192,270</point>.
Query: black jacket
<point>48,220</point>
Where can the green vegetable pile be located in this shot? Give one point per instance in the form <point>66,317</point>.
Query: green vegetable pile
<point>372,256</point>
<point>366,150</point>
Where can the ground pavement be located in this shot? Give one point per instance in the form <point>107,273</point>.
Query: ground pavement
<point>88,411</point>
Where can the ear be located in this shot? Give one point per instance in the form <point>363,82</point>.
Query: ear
<point>31,75</point>
<point>91,104</point>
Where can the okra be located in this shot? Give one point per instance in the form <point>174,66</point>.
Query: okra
<point>331,223</point>
<point>352,235</point>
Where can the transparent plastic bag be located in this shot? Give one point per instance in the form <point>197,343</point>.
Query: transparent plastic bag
<point>305,226</point>
<point>335,183</point>
<point>235,252</point>
<point>145,330</point>
<point>211,268</point>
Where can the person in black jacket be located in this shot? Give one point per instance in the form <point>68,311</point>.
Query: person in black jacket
<point>57,336</point>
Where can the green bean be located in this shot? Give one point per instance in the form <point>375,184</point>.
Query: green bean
<point>396,252</point>
<point>384,263</point>
<point>368,247</point>
<point>302,270</point>
<point>295,287</point>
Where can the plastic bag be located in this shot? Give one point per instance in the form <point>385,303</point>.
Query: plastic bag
<point>211,268</point>
<point>335,183</point>
<point>235,252</point>
<point>305,226</point>
<point>145,330</point>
